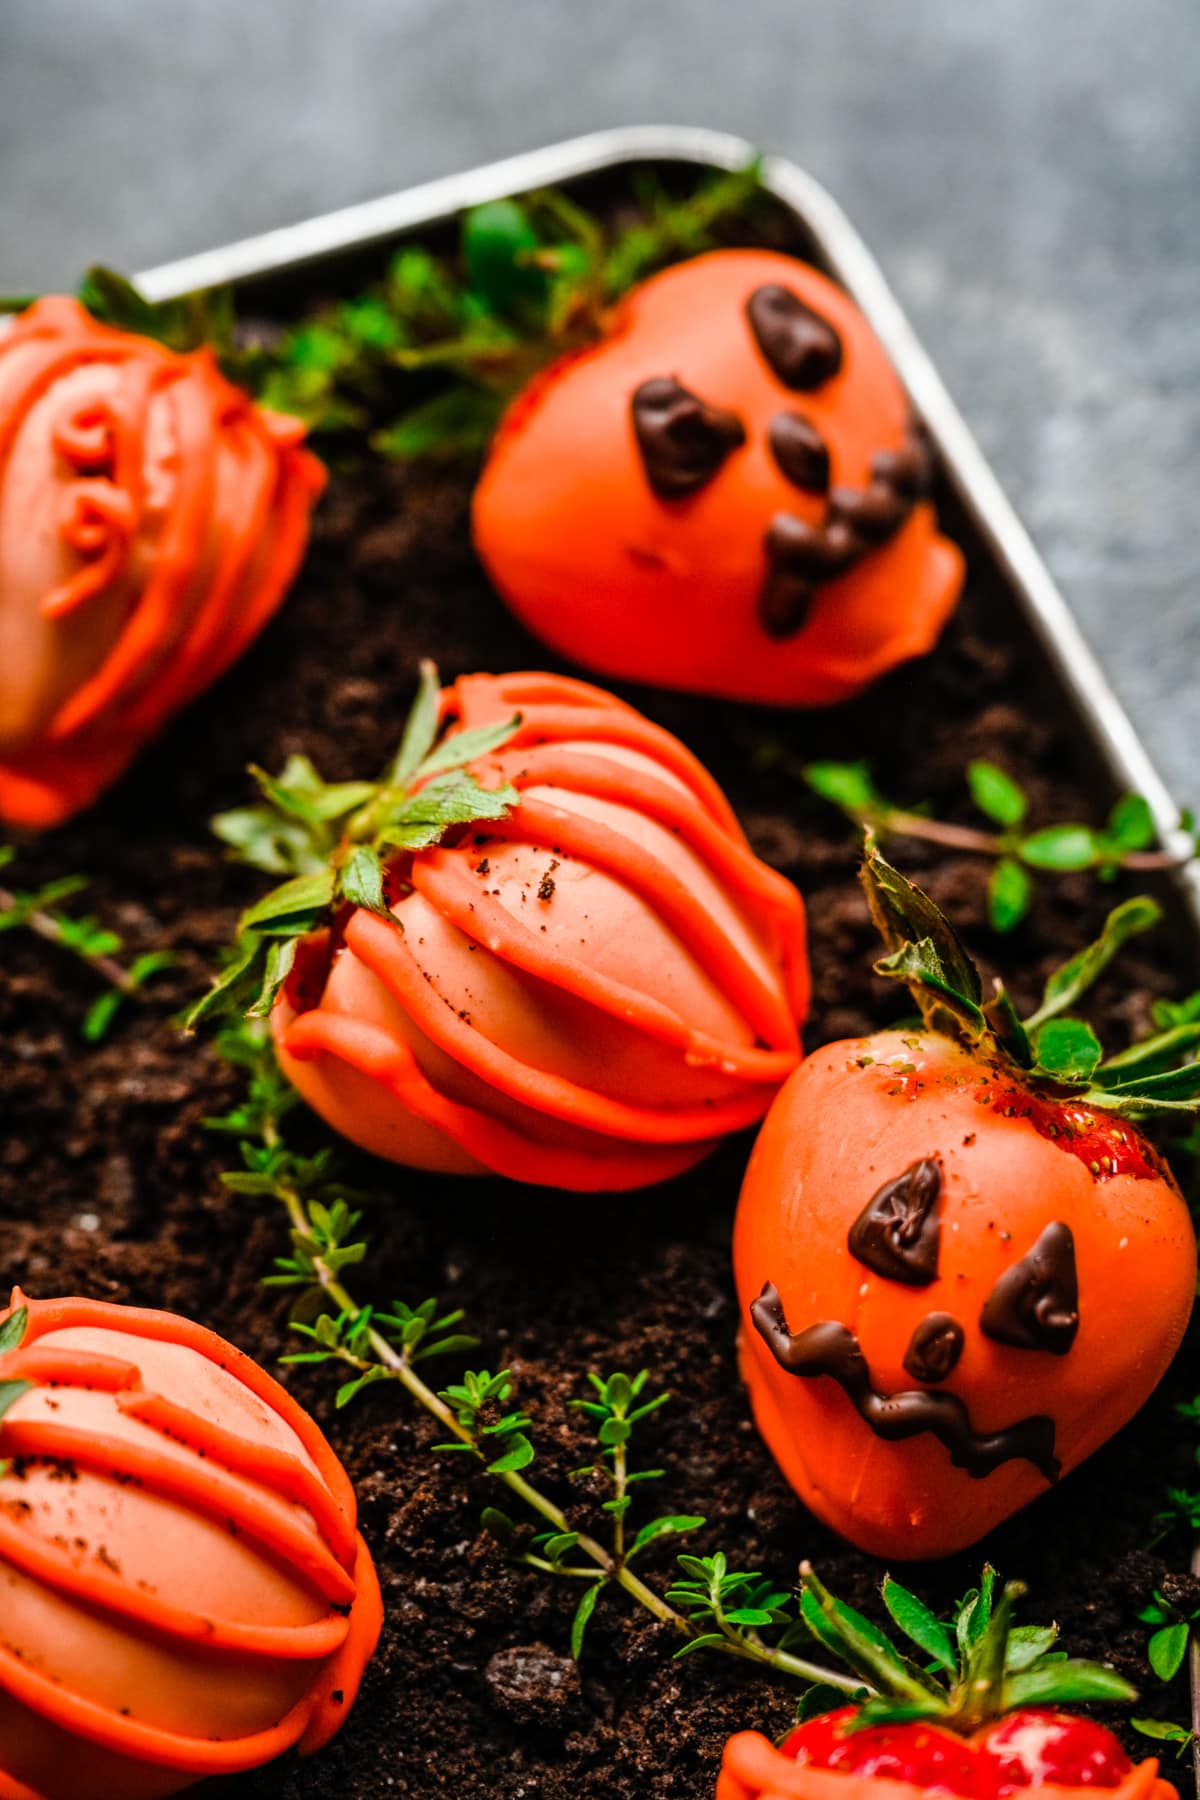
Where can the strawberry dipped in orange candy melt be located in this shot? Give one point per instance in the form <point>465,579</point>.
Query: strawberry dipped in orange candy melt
<point>960,1266</point>
<point>727,494</point>
<point>960,1724</point>
<point>151,520</point>
<point>186,1594</point>
<point>539,945</point>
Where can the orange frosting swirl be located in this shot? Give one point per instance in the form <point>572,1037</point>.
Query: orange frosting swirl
<point>753,1769</point>
<point>185,1590</point>
<point>589,994</point>
<point>151,519</point>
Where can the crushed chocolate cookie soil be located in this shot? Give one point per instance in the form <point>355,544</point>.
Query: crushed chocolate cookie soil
<point>110,1185</point>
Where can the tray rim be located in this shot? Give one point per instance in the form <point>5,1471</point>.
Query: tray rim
<point>1058,632</point>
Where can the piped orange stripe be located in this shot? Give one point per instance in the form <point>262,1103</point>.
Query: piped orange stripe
<point>389,1061</point>
<point>553,827</point>
<point>129,1737</point>
<point>95,1585</point>
<point>555,708</point>
<point>386,952</point>
<point>169,1328</point>
<point>227,1499</point>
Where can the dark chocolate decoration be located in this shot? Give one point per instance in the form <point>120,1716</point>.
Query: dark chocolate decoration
<point>800,451</point>
<point>1035,1304</point>
<point>934,1347</point>
<point>801,348</point>
<point>800,556</point>
<point>898,1231</point>
<point>832,1349</point>
<point>683,440</point>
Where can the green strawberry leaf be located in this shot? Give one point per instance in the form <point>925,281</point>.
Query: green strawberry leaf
<point>1066,1683</point>
<point>1066,1049</point>
<point>1067,984</point>
<point>917,1622</point>
<point>13,1329</point>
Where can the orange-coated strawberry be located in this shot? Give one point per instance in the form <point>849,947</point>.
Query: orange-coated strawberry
<point>959,1273</point>
<point>727,494</point>
<point>186,1594</point>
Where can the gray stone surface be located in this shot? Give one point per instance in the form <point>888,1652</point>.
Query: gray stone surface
<point>1027,170</point>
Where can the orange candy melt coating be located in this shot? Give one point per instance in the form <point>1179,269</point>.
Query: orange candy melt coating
<point>837,1132</point>
<point>588,994</point>
<point>184,1590</point>
<point>151,519</point>
<point>666,591</point>
<point>753,1769</point>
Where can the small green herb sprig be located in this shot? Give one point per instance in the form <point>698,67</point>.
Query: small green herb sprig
<point>39,910</point>
<point>337,843</point>
<point>1126,840</point>
<point>1181,1511</point>
<point>390,1345</point>
<point>1173,1642</point>
<point>1158,1075</point>
<point>1169,1641</point>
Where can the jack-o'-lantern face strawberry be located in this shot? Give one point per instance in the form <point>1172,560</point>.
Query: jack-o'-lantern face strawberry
<point>956,1278</point>
<point>727,494</point>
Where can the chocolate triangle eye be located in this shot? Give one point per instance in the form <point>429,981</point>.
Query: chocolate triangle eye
<point>682,439</point>
<point>1035,1304</point>
<point>898,1232</point>
<point>800,451</point>
<point>934,1347</point>
<point>801,348</point>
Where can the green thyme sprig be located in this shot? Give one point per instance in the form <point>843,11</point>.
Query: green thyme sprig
<point>97,946</point>
<point>389,1345</point>
<point>1127,839</point>
<point>1158,1075</point>
<point>617,1408</point>
<point>338,843</point>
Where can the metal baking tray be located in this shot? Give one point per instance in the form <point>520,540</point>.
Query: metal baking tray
<point>994,533</point>
<point>834,245</point>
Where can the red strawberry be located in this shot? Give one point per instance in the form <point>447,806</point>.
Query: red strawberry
<point>1028,1749</point>
<point>917,1752</point>
<point>948,1720</point>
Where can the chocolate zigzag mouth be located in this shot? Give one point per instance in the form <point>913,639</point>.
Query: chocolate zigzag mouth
<point>802,557</point>
<point>832,1349</point>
